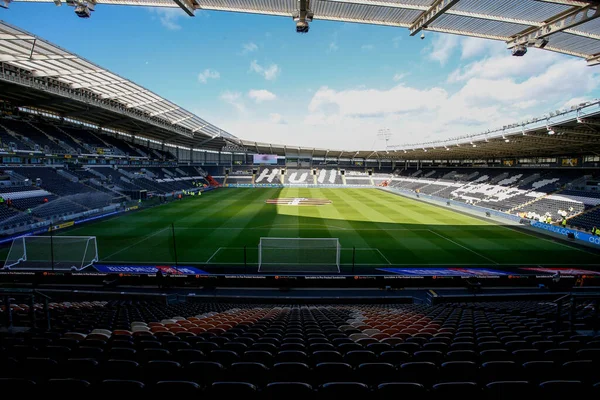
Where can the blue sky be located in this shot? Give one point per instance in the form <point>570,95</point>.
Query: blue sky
<point>335,87</point>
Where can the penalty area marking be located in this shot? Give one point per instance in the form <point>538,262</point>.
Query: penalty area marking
<point>384,257</point>
<point>464,247</point>
<point>136,243</point>
<point>214,254</point>
<point>372,249</point>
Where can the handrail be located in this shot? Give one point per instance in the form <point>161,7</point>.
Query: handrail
<point>17,292</point>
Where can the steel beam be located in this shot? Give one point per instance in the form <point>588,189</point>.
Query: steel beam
<point>145,103</point>
<point>189,6</point>
<point>436,10</point>
<point>182,119</point>
<point>566,21</point>
<point>165,111</point>
<point>594,60</point>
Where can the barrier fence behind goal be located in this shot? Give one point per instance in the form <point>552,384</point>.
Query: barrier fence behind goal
<point>61,253</point>
<point>299,255</point>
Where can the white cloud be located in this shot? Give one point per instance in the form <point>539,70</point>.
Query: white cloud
<point>475,47</point>
<point>367,47</point>
<point>487,89</point>
<point>278,119</point>
<point>207,74</point>
<point>261,95</point>
<point>396,41</point>
<point>333,47</point>
<point>235,99</point>
<point>270,73</point>
<point>168,17</point>
<point>501,65</point>
<point>249,47</point>
<point>441,48</point>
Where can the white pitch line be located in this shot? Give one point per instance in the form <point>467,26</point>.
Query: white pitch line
<point>402,264</point>
<point>464,247</point>
<point>384,257</point>
<point>321,228</point>
<point>559,241</point>
<point>136,243</point>
<point>214,254</point>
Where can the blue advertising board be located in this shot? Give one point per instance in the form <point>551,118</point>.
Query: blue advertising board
<point>148,269</point>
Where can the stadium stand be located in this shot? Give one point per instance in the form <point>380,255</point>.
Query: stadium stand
<point>480,349</point>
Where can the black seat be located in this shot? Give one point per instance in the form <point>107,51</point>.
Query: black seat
<point>178,388</point>
<point>259,356</point>
<point>341,390</point>
<point>69,387</point>
<point>251,372</point>
<point>232,390</point>
<point>562,389</point>
<point>283,372</point>
<point>80,368</point>
<point>539,371</point>
<point>186,356</point>
<point>162,370</point>
<point>224,357</point>
<point>204,372</point>
<point>508,390</point>
<point>457,390</point>
<point>394,357</point>
<point>357,357</point>
<point>322,356</point>
<point>457,371</point>
<point>375,373</point>
<point>291,356</point>
<point>287,390</point>
<point>121,369</point>
<point>401,390</point>
<point>425,373</point>
<point>499,371</point>
<point>580,370</point>
<point>111,386</point>
<point>333,372</point>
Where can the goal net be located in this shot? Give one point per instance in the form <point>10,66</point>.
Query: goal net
<point>63,253</point>
<point>299,255</point>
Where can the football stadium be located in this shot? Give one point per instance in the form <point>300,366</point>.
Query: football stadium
<point>397,199</point>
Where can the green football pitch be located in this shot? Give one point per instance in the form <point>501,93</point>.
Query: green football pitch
<point>376,229</point>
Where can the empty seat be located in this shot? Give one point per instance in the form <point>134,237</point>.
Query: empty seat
<point>232,390</point>
<point>400,390</point>
<point>287,390</point>
<point>457,390</point>
<point>508,390</point>
<point>562,389</point>
<point>341,390</point>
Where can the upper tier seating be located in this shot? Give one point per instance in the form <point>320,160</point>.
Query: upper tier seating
<point>53,181</point>
<point>33,134</point>
<point>6,139</point>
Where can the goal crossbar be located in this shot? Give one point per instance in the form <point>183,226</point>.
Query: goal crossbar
<point>299,254</point>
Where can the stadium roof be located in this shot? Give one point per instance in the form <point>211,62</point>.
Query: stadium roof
<point>571,132</point>
<point>565,26</point>
<point>46,63</point>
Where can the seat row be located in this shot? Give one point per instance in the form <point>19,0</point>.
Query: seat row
<point>207,372</point>
<point>499,390</point>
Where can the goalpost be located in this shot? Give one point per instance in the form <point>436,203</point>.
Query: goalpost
<point>63,253</point>
<point>299,255</point>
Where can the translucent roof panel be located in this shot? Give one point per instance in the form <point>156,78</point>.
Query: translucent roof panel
<point>43,59</point>
<point>493,19</point>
